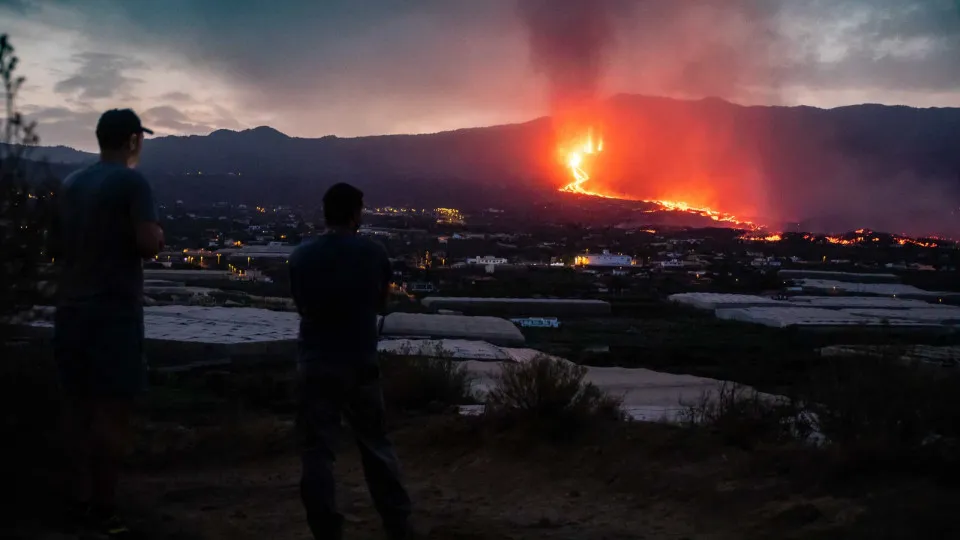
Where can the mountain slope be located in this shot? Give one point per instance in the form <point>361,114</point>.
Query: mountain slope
<point>887,167</point>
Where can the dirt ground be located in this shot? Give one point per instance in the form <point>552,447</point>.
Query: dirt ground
<point>458,495</point>
<point>645,482</point>
<point>210,468</point>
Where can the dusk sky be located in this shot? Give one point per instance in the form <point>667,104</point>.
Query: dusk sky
<point>359,67</point>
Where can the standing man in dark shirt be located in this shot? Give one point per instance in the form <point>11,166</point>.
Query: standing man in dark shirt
<point>339,282</point>
<point>106,225</point>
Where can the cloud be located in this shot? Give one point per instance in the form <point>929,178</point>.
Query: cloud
<point>62,125</point>
<point>100,76</point>
<point>450,53</point>
<point>381,66</point>
<point>17,6</point>
<point>176,97</point>
<point>875,45</point>
<point>167,119</point>
<point>338,66</point>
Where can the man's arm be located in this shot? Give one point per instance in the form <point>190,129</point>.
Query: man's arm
<point>143,214</point>
<point>387,275</point>
<point>55,240</point>
<point>295,288</point>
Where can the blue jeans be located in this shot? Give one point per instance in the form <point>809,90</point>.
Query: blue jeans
<point>355,395</point>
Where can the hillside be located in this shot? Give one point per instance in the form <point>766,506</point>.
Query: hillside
<point>886,167</point>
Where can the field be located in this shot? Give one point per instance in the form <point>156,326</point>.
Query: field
<point>676,339</point>
<point>215,454</point>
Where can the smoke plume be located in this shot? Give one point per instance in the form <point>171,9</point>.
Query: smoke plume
<point>570,41</point>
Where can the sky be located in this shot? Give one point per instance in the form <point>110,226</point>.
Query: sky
<point>358,67</point>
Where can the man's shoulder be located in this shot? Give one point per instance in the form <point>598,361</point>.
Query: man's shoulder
<point>125,175</point>
<point>79,174</point>
<point>304,246</point>
<point>372,245</point>
<point>105,172</point>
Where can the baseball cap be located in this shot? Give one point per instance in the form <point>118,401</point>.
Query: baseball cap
<point>117,125</point>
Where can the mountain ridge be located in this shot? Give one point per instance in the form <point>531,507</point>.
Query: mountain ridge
<point>883,165</point>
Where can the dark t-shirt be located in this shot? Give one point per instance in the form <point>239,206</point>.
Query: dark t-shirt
<point>99,210</point>
<point>338,282</point>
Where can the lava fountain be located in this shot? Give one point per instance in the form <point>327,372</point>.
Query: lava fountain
<point>576,157</point>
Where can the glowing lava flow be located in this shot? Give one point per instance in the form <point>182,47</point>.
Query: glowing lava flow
<point>574,161</point>
<point>575,158</point>
<point>863,237</point>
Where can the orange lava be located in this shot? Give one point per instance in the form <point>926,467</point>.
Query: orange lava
<point>578,155</point>
<point>864,236</point>
<point>759,238</point>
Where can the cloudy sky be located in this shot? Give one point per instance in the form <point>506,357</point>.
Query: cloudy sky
<point>354,67</point>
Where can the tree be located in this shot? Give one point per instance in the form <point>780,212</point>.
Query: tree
<point>26,201</point>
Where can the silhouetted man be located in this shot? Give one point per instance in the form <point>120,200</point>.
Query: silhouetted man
<point>106,225</point>
<point>339,282</point>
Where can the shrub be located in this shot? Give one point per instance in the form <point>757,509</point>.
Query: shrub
<point>882,411</point>
<point>25,200</point>
<point>743,417</point>
<point>421,383</point>
<point>551,397</point>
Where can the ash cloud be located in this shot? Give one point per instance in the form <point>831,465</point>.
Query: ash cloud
<point>570,42</point>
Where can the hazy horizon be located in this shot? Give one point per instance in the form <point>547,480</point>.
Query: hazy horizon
<point>349,70</point>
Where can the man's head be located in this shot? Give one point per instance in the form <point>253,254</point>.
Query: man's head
<point>343,206</point>
<point>120,135</point>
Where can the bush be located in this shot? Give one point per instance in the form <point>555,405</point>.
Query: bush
<point>743,417</point>
<point>879,410</point>
<point>872,413</point>
<point>26,193</point>
<point>551,397</point>
<point>418,383</point>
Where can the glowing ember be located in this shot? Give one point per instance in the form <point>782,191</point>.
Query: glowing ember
<point>758,238</point>
<point>864,236</point>
<point>577,157</point>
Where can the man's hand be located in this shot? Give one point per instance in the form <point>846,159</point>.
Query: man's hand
<point>150,239</point>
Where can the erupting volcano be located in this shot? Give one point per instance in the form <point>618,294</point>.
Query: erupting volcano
<point>682,164</point>
<point>579,155</point>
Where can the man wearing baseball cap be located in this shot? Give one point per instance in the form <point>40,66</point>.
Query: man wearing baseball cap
<point>107,224</point>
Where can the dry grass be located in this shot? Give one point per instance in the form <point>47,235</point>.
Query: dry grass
<point>743,417</point>
<point>549,398</point>
<point>424,384</point>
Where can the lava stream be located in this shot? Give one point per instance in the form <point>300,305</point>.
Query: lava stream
<point>574,160</point>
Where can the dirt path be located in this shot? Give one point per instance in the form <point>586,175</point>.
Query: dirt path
<point>473,495</point>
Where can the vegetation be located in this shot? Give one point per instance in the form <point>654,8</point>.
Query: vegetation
<point>26,195</point>
<point>425,383</point>
<point>550,397</point>
<point>855,415</point>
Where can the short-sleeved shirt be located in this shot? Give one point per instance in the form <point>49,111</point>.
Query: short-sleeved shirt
<point>99,210</point>
<point>338,282</point>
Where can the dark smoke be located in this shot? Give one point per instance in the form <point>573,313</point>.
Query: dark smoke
<point>864,167</point>
<point>569,42</point>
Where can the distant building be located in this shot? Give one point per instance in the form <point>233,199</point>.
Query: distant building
<point>487,260</point>
<point>604,259</point>
<point>251,275</point>
<point>270,250</point>
<point>421,287</point>
<point>761,262</point>
<point>537,322</point>
<point>672,263</point>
